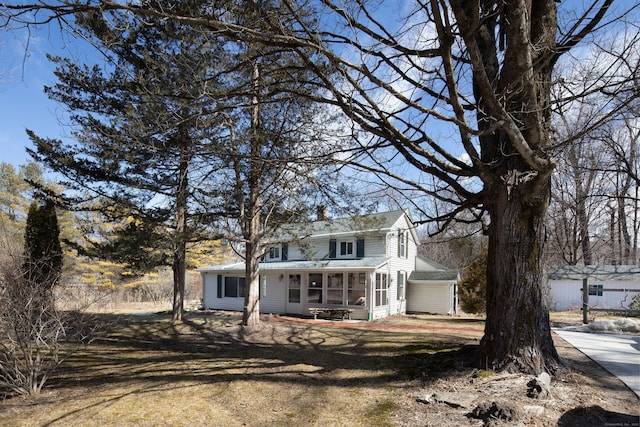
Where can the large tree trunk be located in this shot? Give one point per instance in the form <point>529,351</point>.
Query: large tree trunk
<point>179,265</point>
<point>517,332</point>
<point>179,275</point>
<point>251,311</point>
<point>512,74</point>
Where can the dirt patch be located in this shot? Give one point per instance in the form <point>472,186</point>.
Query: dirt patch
<point>144,371</point>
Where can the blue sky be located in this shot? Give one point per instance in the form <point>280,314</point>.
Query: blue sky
<point>24,71</point>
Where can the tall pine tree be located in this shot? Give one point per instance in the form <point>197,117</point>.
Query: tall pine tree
<point>148,124</point>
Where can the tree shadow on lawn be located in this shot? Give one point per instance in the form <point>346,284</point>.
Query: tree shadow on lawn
<point>209,349</point>
<point>595,416</point>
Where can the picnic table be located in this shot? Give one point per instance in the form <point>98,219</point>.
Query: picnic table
<point>342,313</point>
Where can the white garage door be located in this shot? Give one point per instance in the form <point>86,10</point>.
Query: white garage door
<point>431,298</point>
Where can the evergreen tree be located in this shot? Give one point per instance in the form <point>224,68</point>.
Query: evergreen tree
<point>280,163</point>
<point>147,125</point>
<point>183,128</point>
<point>43,252</point>
<point>473,285</point>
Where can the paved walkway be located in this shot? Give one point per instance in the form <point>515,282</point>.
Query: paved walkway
<point>618,354</point>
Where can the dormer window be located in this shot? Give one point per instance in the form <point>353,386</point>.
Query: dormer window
<point>274,253</point>
<point>352,248</point>
<point>277,253</point>
<point>346,249</point>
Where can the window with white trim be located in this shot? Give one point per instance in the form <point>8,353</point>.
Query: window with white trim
<point>402,243</point>
<point>381,289</point>
<point>356,288</point>
<point>314,289</point>
<point>346,248</point>
<point>596,290</point>
<point>402,281</point>
<point>274,253</point>
<point>335,288</point>
<point>234,287</point>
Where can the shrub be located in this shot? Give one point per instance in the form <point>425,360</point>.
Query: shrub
<point>473,285</point>
<point>35,338</point>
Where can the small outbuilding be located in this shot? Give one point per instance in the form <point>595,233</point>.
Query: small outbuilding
<point>432,288</point>
<point>611,287</point>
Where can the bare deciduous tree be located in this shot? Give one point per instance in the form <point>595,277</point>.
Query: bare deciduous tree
<point>461,91</point>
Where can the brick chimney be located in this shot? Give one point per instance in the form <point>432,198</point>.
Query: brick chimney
<point>322,213</point>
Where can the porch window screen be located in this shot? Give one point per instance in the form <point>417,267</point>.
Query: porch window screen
<point>335,288</point>
<point>356,288</point>
<point>314,291</point>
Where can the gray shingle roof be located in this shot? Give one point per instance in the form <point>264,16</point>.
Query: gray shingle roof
<point>338,264</point>
<point>363,223</point>
<point>434,265</point>
<point>625,273</point>
<point>433,275</point>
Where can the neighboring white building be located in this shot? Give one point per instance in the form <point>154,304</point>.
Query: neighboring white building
<point>612,286</point>
<point>367,264</point>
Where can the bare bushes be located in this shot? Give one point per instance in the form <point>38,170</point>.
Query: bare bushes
<point>155,288</point>
<point>34,337</point>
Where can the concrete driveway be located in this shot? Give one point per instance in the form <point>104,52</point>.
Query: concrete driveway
<point>618,354</point>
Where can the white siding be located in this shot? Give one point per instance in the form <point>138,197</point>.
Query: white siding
<point>567,295</point>
<point>211,300</point>
<point>273,294</point>
<point>209,289</point>
<point>430,298</point>
<point>396,264</point>
<point>318,247</point>
<point>374,246</point>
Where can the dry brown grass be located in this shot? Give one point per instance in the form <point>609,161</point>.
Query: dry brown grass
<point>209,371</point>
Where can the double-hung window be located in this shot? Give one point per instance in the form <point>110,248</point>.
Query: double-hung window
<point>234,287</point>
<point>381,289</point>
<point>274,253</point>
<point>402,281</point>
<point>596,290</point>
<point>352,248</point>
<point>402,243</point>
<point>346,249</point>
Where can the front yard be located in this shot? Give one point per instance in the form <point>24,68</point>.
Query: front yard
<point>208,371</point>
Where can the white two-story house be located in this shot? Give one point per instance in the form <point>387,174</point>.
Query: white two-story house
<point>366,264</point>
